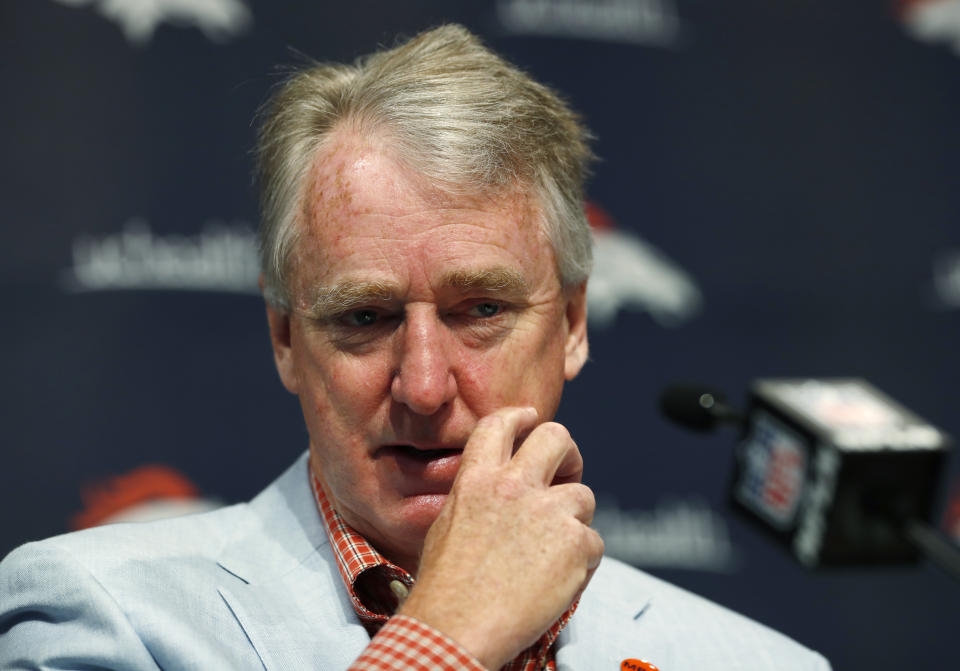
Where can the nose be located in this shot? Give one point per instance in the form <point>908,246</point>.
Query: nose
<point>424,379</point>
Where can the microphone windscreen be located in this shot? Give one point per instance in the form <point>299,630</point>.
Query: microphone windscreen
<point>691,405</point>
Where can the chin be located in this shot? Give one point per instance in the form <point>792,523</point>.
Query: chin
<point>413,516</point>
<point>420,511</point>
<point>408,523</point>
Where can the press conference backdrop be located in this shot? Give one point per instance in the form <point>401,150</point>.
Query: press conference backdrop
<point>777,196</point>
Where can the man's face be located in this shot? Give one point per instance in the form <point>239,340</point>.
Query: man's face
<point>414,316</point>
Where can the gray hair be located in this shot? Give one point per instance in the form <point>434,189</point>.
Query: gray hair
<point>455,112</point>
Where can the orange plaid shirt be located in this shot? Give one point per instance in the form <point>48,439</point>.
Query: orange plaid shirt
<point>398,641</point>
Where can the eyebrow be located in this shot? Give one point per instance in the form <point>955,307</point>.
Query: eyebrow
<point>331,301</point>
<point>497,280</point>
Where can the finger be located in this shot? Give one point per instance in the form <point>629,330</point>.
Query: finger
<point>595,551</point>
<point>570,469</point>
<point>593,563</point>
<point>593,547</point>
<point>494,436</point>
<point>576,500</point>
<point>549,455</point>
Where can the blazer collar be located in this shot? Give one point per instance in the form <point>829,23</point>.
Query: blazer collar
<point>608,626</point>
<point>283,585</point>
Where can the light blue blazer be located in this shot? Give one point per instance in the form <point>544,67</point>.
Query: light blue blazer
<point>254,586</point>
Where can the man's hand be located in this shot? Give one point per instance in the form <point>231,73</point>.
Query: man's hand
<point>511,549</point>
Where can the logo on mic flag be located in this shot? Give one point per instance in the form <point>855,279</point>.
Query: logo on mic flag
<point>774,462</point>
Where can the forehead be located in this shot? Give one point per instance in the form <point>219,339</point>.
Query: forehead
<point>354,175</point>
<point>364,211</point>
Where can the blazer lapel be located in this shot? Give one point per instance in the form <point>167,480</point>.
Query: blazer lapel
<point>281,583</point>
<point>296,622</point>
<point>609,613</point>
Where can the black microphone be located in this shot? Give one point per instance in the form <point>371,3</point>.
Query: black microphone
<point>698,407</point>
<point>833,468</point>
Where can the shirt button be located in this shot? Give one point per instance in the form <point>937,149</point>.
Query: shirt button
<point>399,590</point>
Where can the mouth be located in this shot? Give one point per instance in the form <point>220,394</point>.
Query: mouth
<point>421,469</point>
<point>421,453</point>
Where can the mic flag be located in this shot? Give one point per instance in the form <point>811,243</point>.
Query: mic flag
<point>835,469</point>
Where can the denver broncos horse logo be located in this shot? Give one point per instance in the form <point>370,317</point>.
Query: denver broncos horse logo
<point>138,19</point>
<point>630,273</point>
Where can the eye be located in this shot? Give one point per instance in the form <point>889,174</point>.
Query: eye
<point>361,318</point>
<point>486,310</point>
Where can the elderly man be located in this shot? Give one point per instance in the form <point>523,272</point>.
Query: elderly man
<point>425,257</point>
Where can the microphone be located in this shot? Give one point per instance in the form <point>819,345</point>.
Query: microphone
<point>697,407</point>
<point>833,468</point>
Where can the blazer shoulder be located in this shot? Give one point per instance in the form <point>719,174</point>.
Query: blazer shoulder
<point>111,545</point>
<point>152,594</point>
<point>53,609</point>
<point>678,620</point>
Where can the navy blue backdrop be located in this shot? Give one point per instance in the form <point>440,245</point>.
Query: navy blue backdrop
<point>777,196</point>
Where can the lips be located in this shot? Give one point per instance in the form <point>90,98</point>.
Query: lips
<point>421,453</point>
<point>421,470</point>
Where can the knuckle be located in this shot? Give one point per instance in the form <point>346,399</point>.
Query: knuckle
<point>555,430</point>
<point>589,539</point>
<point>582,498</point>
<point>575,527</point>
<point>585,496</point>
<point>598,544</point>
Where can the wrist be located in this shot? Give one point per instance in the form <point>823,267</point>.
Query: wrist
<point>478,636</point>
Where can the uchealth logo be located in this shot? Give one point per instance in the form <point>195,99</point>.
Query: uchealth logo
<point>221,258</point>
<point>654,23</point>
<point>932,21</point>
<point>677,533</point>
<point>219,20</point>
<point>631,274</point>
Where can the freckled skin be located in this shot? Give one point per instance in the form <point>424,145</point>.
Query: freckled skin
<point>431,367</point>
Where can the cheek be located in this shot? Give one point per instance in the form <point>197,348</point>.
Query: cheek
<point>473,369</point>
<point>346,389</point>
<point>527,373</point>
<point>542,369</point>
<point>487,381</point>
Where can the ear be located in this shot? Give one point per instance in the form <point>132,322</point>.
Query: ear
<point>279,323</point>
<point>576,349</point>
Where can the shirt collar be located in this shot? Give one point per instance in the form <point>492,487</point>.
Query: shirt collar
<point>367,575</point>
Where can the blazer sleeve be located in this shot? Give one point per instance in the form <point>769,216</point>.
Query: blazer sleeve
<point>54,614</point>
